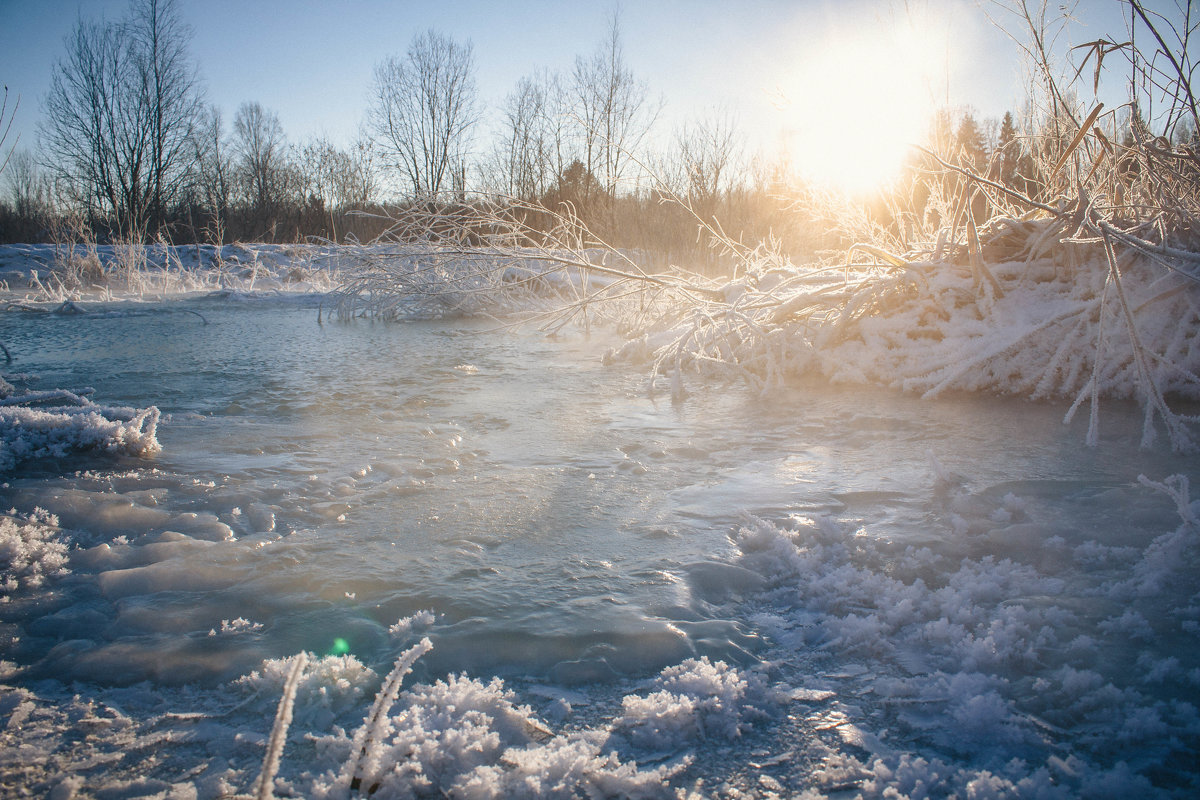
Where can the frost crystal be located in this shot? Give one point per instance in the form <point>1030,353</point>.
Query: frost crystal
<point>32,549</point>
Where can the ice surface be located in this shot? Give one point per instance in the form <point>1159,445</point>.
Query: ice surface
<point>894,672</point>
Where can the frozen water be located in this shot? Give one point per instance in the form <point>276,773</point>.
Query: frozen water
<point>622,595</point>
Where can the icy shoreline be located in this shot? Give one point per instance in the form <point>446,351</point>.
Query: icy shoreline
<point>1042,641</point>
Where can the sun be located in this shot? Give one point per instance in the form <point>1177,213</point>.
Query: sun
<point>853,109</point>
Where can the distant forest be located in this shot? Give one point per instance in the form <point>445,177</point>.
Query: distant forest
<point>129,150</point>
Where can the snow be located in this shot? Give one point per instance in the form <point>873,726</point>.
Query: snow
<point>29,432</point>
<point>1006,677</point>
<point>694,700</point>
<point>462,737</point>
<point>38,433</point>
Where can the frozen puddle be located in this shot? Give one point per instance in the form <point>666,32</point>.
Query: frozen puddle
<point>835,591</point>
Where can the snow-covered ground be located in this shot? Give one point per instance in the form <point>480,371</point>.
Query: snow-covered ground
<point>514,574</point>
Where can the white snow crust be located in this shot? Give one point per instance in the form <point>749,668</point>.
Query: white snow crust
<point>33,433</point>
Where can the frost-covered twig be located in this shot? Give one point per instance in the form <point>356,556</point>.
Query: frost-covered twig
<point>1176,488</point>
<point>75,398</point>
<point>1154,401</point>
<point>493,255</point>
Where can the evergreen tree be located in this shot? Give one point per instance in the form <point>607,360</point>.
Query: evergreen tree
<point>1009,149</point>
<point>972,149</point>
<point>578,187</point>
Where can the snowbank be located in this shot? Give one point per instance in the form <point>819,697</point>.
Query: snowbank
<point>1062,325</point>
<point>56,273</point>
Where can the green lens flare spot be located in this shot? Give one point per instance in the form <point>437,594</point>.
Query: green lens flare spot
<point>340,647</point>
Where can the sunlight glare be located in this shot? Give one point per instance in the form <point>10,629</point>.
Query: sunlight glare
<point>854,107</point>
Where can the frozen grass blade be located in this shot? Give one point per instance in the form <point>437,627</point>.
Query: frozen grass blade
<point>878,252</point>
<point>278,738</point>
<point>374,727</point>
<point>1084,129</point>
<point>1180,438</point>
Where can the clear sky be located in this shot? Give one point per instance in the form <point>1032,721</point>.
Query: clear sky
<point>311,60</point>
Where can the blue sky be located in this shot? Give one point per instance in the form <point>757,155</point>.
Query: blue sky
<point>311,61</point>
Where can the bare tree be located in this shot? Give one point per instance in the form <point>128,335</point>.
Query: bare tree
<point>92,132</point>
<point>524,158</point>
<point>119,114</point>
<point>337,178</point>
<point>27,187</point>
<point>706,152</point>
<point>613,108</point>
<point>260,150</point>
<point>171,95</point>
<point>6,122</point>
<point>423,110</point>
<point>360,182</point>
<point>215,172</point>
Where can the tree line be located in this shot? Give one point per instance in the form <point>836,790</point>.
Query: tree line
<point>130,150</point>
